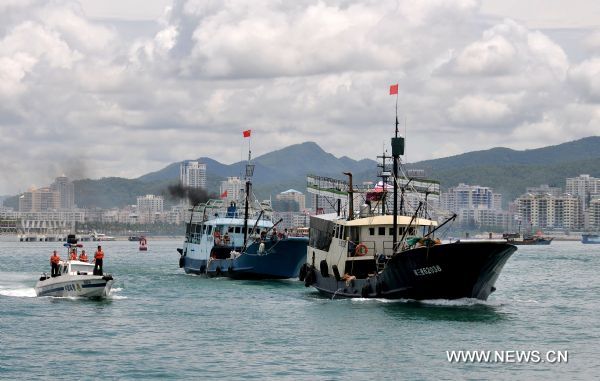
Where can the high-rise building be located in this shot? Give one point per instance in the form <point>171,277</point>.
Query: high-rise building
<point>594,214</point>
<point>150,204</point>
<point>465,196</point>
<point>232,189</point>
<point>547,211</point>
<point>66,192</point>
<point>293,196</point>
<point>192,174</point>
<point>39,200</point>
<point>584,187</point>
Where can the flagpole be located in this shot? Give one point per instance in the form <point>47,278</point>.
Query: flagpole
<point>395,158</point>
<point>396,113</point>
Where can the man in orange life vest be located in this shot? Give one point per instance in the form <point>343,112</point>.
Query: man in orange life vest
<point>73,255</point>
<point>54,259</point>
<point>83,256</point>
<point>98,257</point>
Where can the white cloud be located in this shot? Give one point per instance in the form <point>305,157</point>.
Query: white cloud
<point>586,78</point>
<point>291,71</point>
<point>478,111</point>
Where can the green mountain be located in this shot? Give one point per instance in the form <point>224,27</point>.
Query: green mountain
<point>510,172</point>
<point>507,171</point>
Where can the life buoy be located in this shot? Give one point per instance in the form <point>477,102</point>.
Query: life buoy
<point>361,250</point>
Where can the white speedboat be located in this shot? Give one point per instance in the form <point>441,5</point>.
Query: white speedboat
<point>76,279</point>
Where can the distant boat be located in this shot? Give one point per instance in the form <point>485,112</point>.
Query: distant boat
<point>516,239</point>
<point>101,237</point>
<point>590,238</point>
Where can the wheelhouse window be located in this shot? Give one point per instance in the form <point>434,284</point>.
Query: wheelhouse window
<point>381,230</point>
<point>238,229</point>
<point>320,233</point>
<point>371,231</point>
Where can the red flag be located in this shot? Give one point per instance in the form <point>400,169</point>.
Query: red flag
<point>394,89</point>
<point>224,194</point>
<point>247,133</point>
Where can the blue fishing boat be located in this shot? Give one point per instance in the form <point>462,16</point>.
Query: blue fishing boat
<point>222,241</point>
<point>590,238</point>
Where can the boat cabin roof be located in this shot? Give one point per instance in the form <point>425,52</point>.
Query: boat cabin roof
<point>237,222</point>
<point>386,220</point>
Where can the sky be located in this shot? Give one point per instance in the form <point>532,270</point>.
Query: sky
<point>93,89</point>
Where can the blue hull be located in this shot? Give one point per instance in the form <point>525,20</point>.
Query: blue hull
<point>280,260</point>
<point>590,239</point>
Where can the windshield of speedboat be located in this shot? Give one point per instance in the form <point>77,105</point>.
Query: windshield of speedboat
<point>82,267</point>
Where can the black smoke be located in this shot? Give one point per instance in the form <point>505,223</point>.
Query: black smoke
<point>194,195</point>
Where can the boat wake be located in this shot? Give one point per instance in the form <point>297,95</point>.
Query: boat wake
<point>17,285</point>
<point>28,292</point>
<point>463,302</point>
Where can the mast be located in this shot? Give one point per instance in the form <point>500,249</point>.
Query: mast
<point>351,196</point>
<point>397,150</point>
<point>385,174</point>
<point>249,173</point>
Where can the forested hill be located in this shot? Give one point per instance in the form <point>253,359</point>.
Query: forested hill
<point>507,171</point>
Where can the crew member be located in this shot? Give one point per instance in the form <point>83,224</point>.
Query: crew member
<point>274,235</point>
<point>83,256</point>
<point>73,255</point>
<point>54,259</point>
<point>351,247</point>
<point>98,258</point>
<point>226,239</point>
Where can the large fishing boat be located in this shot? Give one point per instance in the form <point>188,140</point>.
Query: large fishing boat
<point>222,241</point>
<point>372,254</point>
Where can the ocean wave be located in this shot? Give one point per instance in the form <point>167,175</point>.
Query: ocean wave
<point>113,294</point>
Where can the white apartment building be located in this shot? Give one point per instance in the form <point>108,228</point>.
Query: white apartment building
<point>235,188</point>
<point>192,174</point>
<point>467,197</point>
<point>39,200</point>
<point>291,220</point>
<point>294,196</point>
<point>546,211</point>
<point>594,214</point>
<point>150,203</point>
<point>149,208</point>
<point>66,192</point>
<point>584,187</point>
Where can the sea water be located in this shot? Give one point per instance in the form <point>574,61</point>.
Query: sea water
<point>160,323</point>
